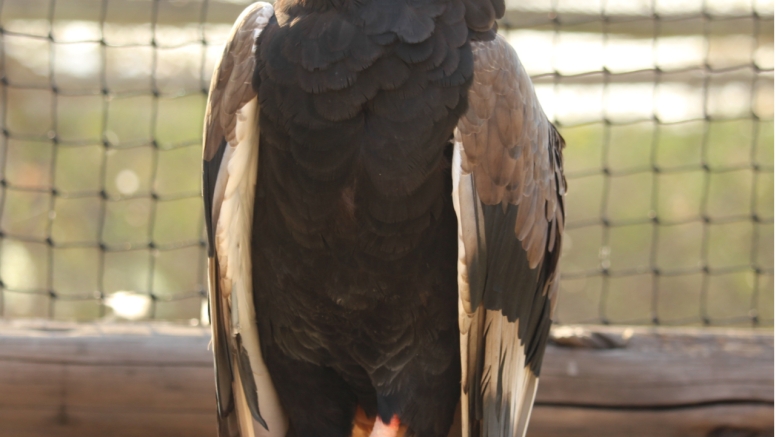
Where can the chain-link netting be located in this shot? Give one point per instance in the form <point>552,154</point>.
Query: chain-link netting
<point>666,106</point>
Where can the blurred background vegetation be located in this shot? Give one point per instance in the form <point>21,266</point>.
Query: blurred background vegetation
<point>666,107</point>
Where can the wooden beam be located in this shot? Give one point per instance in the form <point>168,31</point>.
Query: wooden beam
<point>656,382</point>
<point>656,367</point>
<point>702,421</point>
<point>105,380</point>
<point>155,379</point>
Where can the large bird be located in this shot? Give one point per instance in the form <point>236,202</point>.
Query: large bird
<point>384,204</point>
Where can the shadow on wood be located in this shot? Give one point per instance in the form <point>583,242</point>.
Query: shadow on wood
<point>157,380</point>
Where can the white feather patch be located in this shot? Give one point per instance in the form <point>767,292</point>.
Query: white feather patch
<point>463,280</point>
<point>505,355</point>
<point>508,415</point>
<point>464,309</point>
<point>234,223</point>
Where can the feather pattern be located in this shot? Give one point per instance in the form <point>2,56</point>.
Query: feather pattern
<point>356,105</point>
<point>508,189</point>
<point>247,402</point>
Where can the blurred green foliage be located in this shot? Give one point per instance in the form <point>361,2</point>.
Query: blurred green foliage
<point>666,222</point>
<point>652,199</point>
<point>645,218</point>
<point>150,223</point>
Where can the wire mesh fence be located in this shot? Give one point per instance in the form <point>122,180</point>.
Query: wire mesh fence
<point>666,106</point>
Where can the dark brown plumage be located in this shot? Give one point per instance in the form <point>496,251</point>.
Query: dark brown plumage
<point>336,133</point>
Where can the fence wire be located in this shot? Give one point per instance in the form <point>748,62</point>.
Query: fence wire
<point>666,107</point>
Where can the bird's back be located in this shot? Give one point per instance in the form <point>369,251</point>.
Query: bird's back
<point>357,105</point>
<point>354,235</point>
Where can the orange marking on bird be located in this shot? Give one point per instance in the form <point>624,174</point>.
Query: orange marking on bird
<point>392,429</point>
<point>362,424</point>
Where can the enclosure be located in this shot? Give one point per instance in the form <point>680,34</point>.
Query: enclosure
<point>667,111</point>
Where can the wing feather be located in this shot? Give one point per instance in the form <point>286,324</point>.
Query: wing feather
<point>247,402</point>
<point>508,188</point>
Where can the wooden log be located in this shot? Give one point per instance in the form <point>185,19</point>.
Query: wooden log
<point>155,379</point>
<point>632,367</point>
<point>655,382</point>
<point>105,380</point>
<point>731,420</point>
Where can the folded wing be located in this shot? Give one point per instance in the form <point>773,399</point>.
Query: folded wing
<point>247,402</point>
<point>508,189</point>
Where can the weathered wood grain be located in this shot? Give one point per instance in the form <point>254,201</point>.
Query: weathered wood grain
<point>154,379</point>
<point>705,421</point>
<point>105,380</point>
<point>88,422</point>
<point>656,382</point>
<point>657,367</point>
